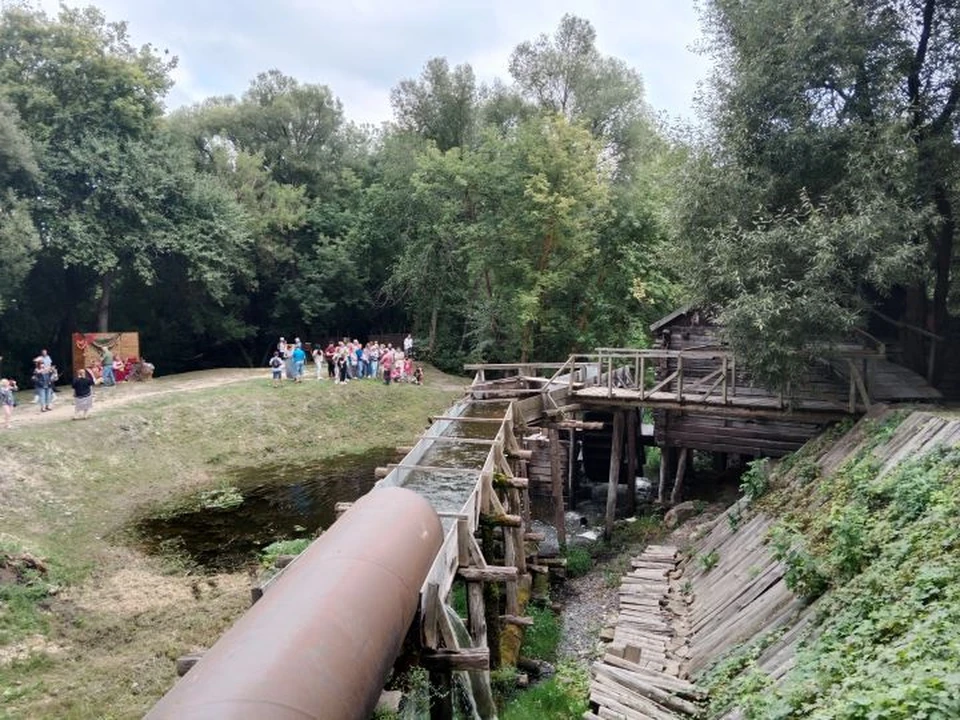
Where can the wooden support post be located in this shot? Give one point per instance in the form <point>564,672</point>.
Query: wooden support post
<point>631,462</point>
<point>491,601</point>
<point>476,614</point>
<point>441,695</point>
<point>557,484</point>
<point>733,376</point>
<point>665,458</point>
<point>681,471</point>
<point>615,449</point>
<point>516,506</point>
<point>571,475</point>
<point>642,380</point>
<point>724,379</point>
<point>680,378</point>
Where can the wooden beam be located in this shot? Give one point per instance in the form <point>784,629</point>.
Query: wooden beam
<point>490,573</point>
<point>631,462</point>
<point>451,660</point>
<point>556,482</point>
<point>681,471</point>
<point>502,520</point>
<point>616,442</point>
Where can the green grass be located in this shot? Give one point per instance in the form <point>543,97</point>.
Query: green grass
<point>541,640</point>
<point>579,561</point>
<point>105,645</point>
<point>562,697</point>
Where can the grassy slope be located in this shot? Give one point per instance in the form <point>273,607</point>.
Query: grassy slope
<point>103,645</point>
<point>881,554</point>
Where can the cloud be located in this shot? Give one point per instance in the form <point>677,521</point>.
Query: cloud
<point>362,48</point>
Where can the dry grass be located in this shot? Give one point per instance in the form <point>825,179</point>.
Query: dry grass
<point>118,619</point>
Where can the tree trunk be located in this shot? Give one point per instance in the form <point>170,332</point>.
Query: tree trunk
<point>103,305</point>
<point>433,329</point>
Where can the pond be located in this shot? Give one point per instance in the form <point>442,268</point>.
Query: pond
<point>277,502</point>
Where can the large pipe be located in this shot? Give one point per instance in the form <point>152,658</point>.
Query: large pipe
<point>320,642</point>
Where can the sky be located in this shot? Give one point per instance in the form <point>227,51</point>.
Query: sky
<point>363,48</point>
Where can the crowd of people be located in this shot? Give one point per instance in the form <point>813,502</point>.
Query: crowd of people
<point>347,360</point>
<point>107,371</point>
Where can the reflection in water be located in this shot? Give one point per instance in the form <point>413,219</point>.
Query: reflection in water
<point>279,502</point>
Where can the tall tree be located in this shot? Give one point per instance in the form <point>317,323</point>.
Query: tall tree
<point>19,240</point>
<point>114,197</point>
<point>440,106</point>
<point>831,176</point>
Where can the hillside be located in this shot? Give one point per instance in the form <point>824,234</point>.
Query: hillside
<point>832,590</point>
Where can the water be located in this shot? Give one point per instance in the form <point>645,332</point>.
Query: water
<point>279,502</point>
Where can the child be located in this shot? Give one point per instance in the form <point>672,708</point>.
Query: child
<point>7,400</point>
<point>408,369</point>
<point>418,375</point>
<point>276,366</point>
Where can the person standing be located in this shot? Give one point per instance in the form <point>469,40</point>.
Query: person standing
<point>108,378</point>
<point>276,368</point>
<point>82,395</point>
<point>329,354</point>
<point>299,358</point>
<point>408,346</point>
<point>44,386</point>
<point>7,400</point>
<point>318,360</point>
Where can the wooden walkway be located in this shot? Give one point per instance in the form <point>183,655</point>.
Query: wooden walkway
<point>639,676</point>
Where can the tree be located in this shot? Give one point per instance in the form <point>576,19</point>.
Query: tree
<point>19,240</point>
<point>440,106</point>
<point>830,179</point>
<point>566,74</point>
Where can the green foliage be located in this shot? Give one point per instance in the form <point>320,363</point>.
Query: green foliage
<point>579,561</point>
<point>756,479</point>
<point>804,574</point>
<point>886,641</point>
<point>816,190</point>
<point>562,697</point>
<point>709,561</point>
<point>225,497</point>
<point>270,553</point>
<point>541,640</point>
<point>23,590</point>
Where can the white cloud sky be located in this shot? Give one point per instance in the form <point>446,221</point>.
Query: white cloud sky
<point>362,48</point>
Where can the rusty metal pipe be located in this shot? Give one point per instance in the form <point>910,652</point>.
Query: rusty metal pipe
<point>320,642</point>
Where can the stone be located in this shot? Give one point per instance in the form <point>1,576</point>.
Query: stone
<point>680,513</point>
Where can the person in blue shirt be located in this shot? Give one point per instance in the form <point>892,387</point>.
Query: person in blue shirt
<point>299,358</point>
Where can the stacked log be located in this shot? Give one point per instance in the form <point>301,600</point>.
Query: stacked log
<point>639,676</point>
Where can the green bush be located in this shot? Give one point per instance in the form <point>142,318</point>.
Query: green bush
<point>579,561</point>
<point>804,575</point>
<point>755,480</point>
<point>709,561</point>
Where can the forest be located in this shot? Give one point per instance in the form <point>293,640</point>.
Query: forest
<point>548,212</point>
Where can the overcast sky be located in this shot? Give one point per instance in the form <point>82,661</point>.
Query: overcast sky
<point>362,48</point>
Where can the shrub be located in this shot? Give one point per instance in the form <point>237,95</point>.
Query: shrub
<point>579,561</point>
<point>755,480</point>
<point>803,572</point>
<point>541,640</point>
<point>709,561</point>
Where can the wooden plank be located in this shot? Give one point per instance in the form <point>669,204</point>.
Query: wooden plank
<point>557,486</point>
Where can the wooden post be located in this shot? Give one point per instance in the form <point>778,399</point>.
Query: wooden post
<point>571,490</point>
<point>476,614</point>
<point>441,695</point>
<point>681,471</point>
<point>491,601</point>
<point>733,375</point>
<point>643,375</point>
<point>680,378</point>
<point>631,462</point>
<point>557,483</point>
<point>610,376</point>
<point>724,371</point>
<point>665,458</point>
<point>615,449</point>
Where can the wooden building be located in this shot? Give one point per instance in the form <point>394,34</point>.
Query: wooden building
<point>857,375</point>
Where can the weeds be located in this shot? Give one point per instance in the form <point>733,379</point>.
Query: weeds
<point>709,561</point>
<point>579,561</point>
<point>541,640</point>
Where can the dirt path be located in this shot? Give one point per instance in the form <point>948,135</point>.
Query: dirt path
<point>28,412</point>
